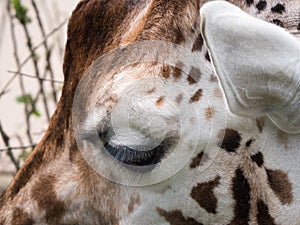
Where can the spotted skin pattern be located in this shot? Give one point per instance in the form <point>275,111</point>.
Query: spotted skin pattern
<point>254,178</point>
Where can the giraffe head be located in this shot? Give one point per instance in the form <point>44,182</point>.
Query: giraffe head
<point>171,113</point>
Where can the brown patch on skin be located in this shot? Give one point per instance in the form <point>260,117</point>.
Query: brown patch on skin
<point>43,192</point>
<point>230,140</point>
<point>261,5</point>
<point>213,78</point>
<point>203,194</point>
<point>260,123</point>
<point>207,57</point>
<point>263,216</point>
<point>218,93</point>
<point>258,158</point>
<point>249,2</point>
<point>176,218</point>
<point>281,185</point>
<point>209,113</point>
<point>194,76</point>
<point>179,98</point>
<point>176,73</point>
<point>166,71</point>
<point>249,143</point>
<point>160,101</point>
<point>198,43</point>
<point>196,160</point>
<point>133,201</point>
<point>279,8</point>
<point>191,80</point>
<point>196,97</point>
<point>19,217</point>
<point>241,194</point>
<point>283,138</point>
<point>151,91</point>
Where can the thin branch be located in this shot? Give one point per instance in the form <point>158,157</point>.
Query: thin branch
<point>17,59</point>
<point>8,148</point>
<point>48,51</point>
<point>36,68</point>
<point>4,89</point>
<point>34,77</point>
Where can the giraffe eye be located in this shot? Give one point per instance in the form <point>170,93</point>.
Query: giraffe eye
<point>136,155</point>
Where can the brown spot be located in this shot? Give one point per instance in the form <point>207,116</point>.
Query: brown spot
<point>261,5</point>
<point>207,57</point>
<point>203,194</point>
<point>196,161</point>
<point>249,2</point>
<point>263,216</point>
<point>230,140</point>
<point>177,71</point>
<point>249,143</point>
<point>44,193</point>
<point>166,71</point>
<point>241,194</point>
<point>258,158</point>
<point>213,78</point>
<point>209,113</point>
<point>279,8</point>
<point>260,123</point>
<point>194,76</point>
<point>176,218</point>
<point>196,97</point>
<point>179,98</point>
<point>218,93</point>
<point>280,184</point>
<point>133,201</point>
<point>283,138</point>
<point>20,217</point>
<point>277,22</point>
<point>151,91</point>
<point>160,101</point>
<point>198,43</point>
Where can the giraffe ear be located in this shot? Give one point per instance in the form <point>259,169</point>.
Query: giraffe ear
<point>257,63</point>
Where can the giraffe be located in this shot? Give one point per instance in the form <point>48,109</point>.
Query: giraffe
<point>233,164</point>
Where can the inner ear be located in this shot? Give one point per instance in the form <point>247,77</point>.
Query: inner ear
<point>257,63</point>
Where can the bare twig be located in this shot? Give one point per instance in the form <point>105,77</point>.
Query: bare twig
<point>9,149</point>
<point>17,59</point>
<point>34,77</point>
<point>4,89</point>
<point>47,49</point>
<point>36,68</point>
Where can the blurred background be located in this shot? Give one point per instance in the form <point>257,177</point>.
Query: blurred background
<point>32,39</point>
